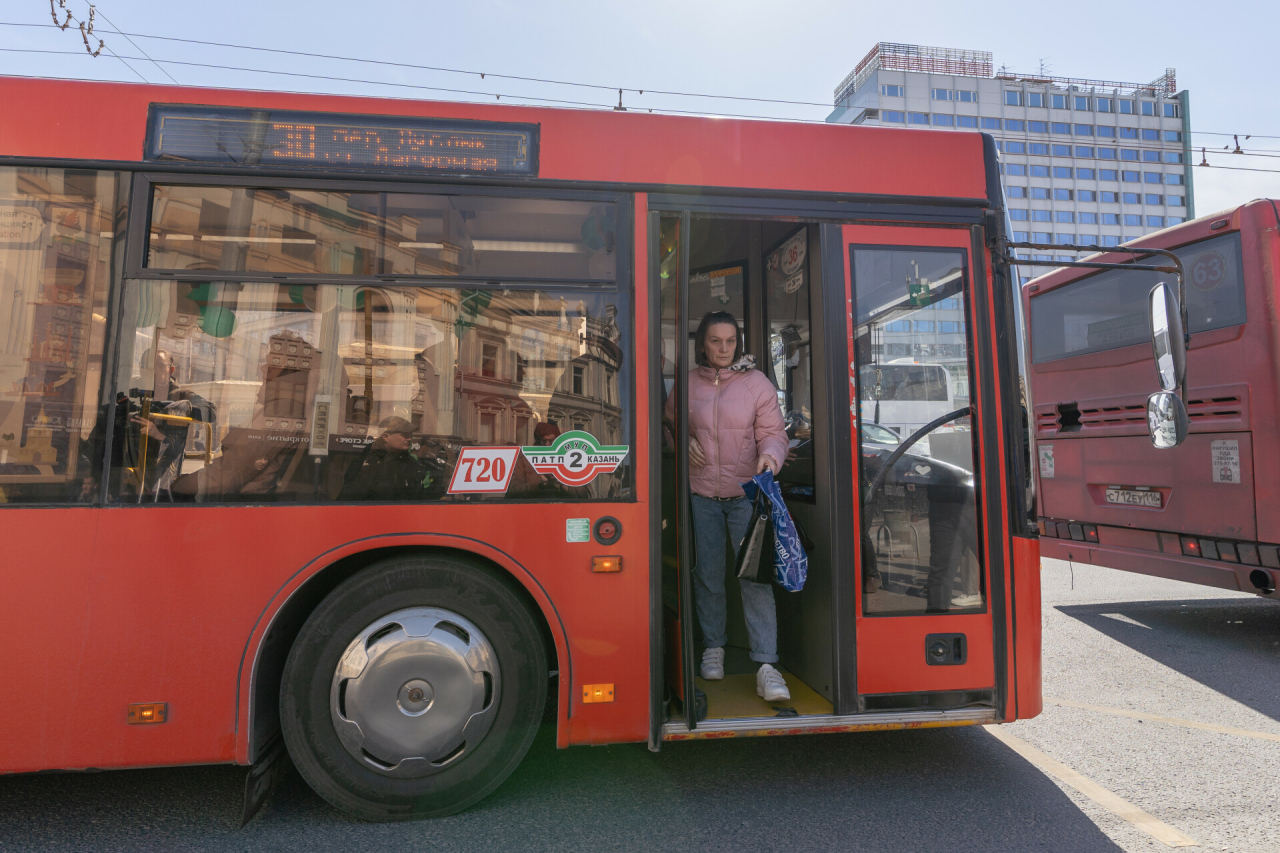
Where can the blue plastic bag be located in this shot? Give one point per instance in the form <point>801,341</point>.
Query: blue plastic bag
<point>790,562</point>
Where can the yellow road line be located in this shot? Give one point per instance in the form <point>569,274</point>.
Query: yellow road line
<point>1156,718</point>
<point>1118,806</point>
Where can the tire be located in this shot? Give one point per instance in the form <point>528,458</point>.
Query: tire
<point>414,689</point>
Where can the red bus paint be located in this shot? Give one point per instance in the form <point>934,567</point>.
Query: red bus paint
<point>1208,525</point>
<point>196,604</point>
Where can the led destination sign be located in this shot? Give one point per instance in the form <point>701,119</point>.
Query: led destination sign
<point>248,137</point>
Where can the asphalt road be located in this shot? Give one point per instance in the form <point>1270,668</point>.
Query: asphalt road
<point>1115,641</point>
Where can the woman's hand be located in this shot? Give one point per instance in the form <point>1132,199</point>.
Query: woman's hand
<point>148,426</point>
<point>767,461</point>
<point>696,456</point>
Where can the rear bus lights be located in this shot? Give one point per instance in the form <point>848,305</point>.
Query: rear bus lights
<point>1067,530</point>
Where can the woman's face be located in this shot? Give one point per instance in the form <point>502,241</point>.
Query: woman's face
<point>719,345</point>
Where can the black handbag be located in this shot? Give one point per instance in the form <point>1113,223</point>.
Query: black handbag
<point>755,552</point>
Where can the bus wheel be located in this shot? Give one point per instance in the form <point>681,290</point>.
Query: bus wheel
<point>414,689</point>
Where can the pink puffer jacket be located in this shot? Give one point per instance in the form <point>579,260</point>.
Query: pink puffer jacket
<point>734,415</point>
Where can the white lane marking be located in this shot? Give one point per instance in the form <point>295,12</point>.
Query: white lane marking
<point>1120,617</point>
<point>1118,806</point>
<point>1156,718</point>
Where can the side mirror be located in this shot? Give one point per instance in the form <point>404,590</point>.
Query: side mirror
<point>1167,340</point>
<point>1167,420</point>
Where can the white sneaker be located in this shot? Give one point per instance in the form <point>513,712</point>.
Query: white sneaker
<point>967,601</point>
<point>770,685</point>
<point>713,664</point>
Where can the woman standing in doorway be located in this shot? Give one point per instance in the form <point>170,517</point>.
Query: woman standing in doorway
<point>735,432</point>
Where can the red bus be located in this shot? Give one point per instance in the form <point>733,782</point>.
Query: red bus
<point>1204,511</point>
<point>337,422</point>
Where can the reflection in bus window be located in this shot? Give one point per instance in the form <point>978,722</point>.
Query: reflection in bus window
<point>411,234</point>
<point>787,286</point>
<point>919,526</point>
<point>279,392</point>
<point>57,232</point>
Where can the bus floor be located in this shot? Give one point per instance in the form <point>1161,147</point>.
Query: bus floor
<point>735,697</point>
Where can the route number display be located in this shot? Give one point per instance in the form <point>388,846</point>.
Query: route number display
<point>483,470</point>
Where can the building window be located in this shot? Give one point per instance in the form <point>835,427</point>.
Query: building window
<point>1106,132</point>
<point>1173,156</point>
<point>1153,178</point>
<point>1132,219</point>
<point>1035,99</point>
<point>1130,177</point>
<point>1104,104</point>
<point>1021,237</point>
<point>924,325</point>
<point>1040,149</point>
<point>1015,147</point>
<point>991,124</point>
<point>1153,198</point>
<point>1171,111</point>
<point>1174,220</point>
<point>917,118</point>
<point>1108,197</point>
<point>1042,257</point>
<point>1086,195</point>
<point>950,327</point>
<point>1148,108</point>
<point>1128,107</point>
<point>1110,219</point>
<point>1062,171</point>
<point>1012,99</point>
<point>1080,102</point>
<point>1041,193</point>
<point>1064,216</point>
<point>965,96</point>
<point>579,379</point>
<point>1151,135</point>
<point>1176,200</point>
<point>1130,198</point>
<point>1060,127</point>
<point>1016,192</point>
<point>943,95</point>
<point>1088,218</point>
<point>1084,130</point>
<point>1039,171</point>
<point>1040,216</point>
<point>1151,156</point>
<point>1110,240</point>
<point>1128,133</point>
<point>1155,221</point>
<point>1106,153</point>
<point>1084,174</point>
<point>1107,175</point>
<point>892,91</point>
<point>1061,195</point>
<point>943,121</point>
<point>1173,136</point>
<point>1062,151</point>
<point>1176,180</point>
<point>1014,124</point>
<point>1016,169</point>
<point>1018,214</point>
<point>1130,154</point>
<point>893,115</point>
<point>1065,239</point>
<point>1088,239</point>
<point>489,360</point>
<point>967,121</point>
<point>1059,101</point>
<point>1041,237</point>
<point>1038,126</point>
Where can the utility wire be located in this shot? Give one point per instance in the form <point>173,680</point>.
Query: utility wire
<point>135,44</point>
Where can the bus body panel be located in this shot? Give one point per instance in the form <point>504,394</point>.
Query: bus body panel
<point>1029,690</point>
<point>576,145</point>
<point>1233,378</point>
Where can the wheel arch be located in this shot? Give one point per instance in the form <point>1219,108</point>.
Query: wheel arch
<point>267,647</point>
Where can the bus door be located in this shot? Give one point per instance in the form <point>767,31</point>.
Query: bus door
<point>921,614</point>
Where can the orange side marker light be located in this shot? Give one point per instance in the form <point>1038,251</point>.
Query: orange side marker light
<point>592,693</point>
<point>606,564</point>
<point>148,712</point>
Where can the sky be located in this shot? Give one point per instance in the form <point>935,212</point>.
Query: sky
<point>794,51</point>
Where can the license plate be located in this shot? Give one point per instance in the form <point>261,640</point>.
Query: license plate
<point>1133,497</point>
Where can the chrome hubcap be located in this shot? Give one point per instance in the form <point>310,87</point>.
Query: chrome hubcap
<point>414,692</point>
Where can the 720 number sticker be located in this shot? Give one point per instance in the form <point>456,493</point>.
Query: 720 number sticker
<point>483,470</point>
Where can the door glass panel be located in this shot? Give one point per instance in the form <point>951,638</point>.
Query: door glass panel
<point>919,526</point>
<point>787,287</point>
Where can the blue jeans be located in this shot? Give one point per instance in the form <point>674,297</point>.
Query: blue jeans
<point>712,519</point>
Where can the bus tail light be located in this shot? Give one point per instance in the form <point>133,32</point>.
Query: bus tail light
<point>1077,532</point>
<point>1064,530</point>
<point>1091,533</point>
<point>1190,547</point>
<point>1208,549</point>
<point>1269,555</point>
<point>1227,552</point>
<point>606,564</point>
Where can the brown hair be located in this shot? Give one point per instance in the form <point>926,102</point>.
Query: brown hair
<point>714,318</point>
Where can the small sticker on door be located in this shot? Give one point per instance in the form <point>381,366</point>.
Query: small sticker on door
<point>1046,461</point>
<point>1225,457</point>
<point>577,530</point>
